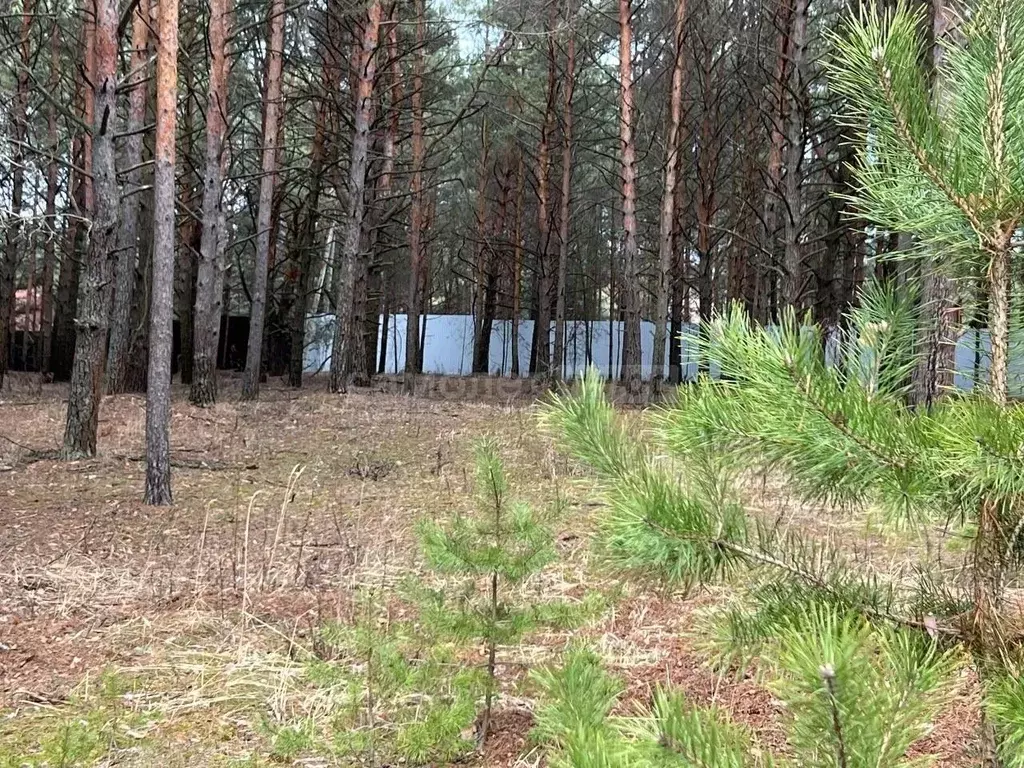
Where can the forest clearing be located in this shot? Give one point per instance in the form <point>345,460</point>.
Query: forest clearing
<point>541,383</point>
<point>182,638</point>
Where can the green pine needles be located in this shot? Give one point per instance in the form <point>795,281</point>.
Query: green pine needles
<point>940,156</point>
<point>940,135</point>
<point>855,695</point>
<point>408,699</point>
<point>492,552</point>
<point>842,435</point>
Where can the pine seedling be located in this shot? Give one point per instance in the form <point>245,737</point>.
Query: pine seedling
<point>574,716</point>
<point>493,550</point>
<point>855,696</point>
<point>409,700</point>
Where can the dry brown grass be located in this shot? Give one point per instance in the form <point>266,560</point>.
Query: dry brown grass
<point>282,509</point>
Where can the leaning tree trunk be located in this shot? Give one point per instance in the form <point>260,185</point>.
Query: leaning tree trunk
<point>158,389</point>
<point>268,179</point>
<point>666,223</point>
<point>128,233</point>
<point>209,275</point>
<point>630,370</point>
<point>96,280</point>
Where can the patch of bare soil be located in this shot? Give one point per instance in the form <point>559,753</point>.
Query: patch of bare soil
<point>282,508</point>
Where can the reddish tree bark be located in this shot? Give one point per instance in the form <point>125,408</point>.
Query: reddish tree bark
<point>268,183</point>
<point>128,233</point>
<point>210,272</point>
<point>95,284</point>
<point>417,253</point>
<point>348,350</point>
<point>667,218</point>
<point>158,389</point>
<point>630,366</point>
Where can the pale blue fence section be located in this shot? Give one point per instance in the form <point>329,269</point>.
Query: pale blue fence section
<point>449,348</point>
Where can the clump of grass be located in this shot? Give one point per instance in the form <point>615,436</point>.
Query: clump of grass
<point>100,719</point>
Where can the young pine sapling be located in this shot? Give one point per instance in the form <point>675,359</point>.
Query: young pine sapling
<point>495,550</point>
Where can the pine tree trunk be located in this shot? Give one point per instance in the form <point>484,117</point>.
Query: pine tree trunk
<point>158,388</point>
<point>667,220</point>
<point>189,264</point>
<point>675,342</point>
<point>50,211</point>
<point>302,262</point>
<point>77,242</point>
<point>987,620</point>
<point>565,210</point>
<point>793,262</point>
<point>481,344</point>
<point>268,183</point>
<point>359,367</point>
<point>210,271</point>
<point>777,104</point>
<point>540,350</point>
<point>630,366</point>
<point>62,347</point>
<point>307,285</point>
<point>128,233</point>
<point>417,253</point>
<point>138,356</point>
<point>12,240</point>
<point>490,274</point>
<point>934,374</point>
<point>708,153</point>
<point>517,267</point>
<point>96,280</point>
<point>347,350</point>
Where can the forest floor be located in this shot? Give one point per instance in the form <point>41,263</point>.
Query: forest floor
<point>178,637</point>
